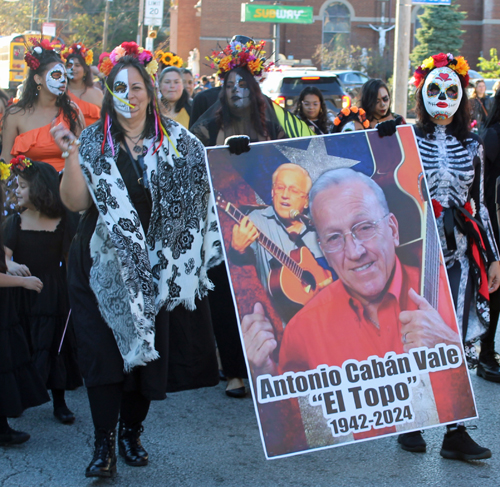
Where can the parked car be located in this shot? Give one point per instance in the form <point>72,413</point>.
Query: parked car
<point>352,80</point>
<point>284,86</point>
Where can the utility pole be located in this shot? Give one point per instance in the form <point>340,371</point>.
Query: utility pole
<point>105,30</point>
<point>32,23</point>
<point>401,57</point>
<point>276,43</point>
<point>140,25</point>
<point>49,8</point>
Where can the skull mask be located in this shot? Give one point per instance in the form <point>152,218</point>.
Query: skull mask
<point>237,91</point>
<point>69,68</point>
<point>56,79</point>
<point>442,93</point>
<point>120,91</point>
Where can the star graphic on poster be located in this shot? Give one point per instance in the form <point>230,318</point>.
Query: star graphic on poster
<point>315,160</point>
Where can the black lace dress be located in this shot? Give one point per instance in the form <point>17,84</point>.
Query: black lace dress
<point>43,316</point>
<point>21,386</point>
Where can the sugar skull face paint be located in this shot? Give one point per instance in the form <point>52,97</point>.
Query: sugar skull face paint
<point>237,91</point>
<point>56,79</point>
<point>442,93</point>
<point>121,88</point>
<point>69,68</point>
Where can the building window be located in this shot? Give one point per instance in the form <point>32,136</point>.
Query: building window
<point>336,26</point>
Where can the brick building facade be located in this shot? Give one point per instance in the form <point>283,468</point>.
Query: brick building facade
<point>204,23</point>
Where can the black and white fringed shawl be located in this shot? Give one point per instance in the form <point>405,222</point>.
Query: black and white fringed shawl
<point>134,275</point>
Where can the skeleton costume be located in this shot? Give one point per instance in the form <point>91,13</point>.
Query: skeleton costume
<point>455,177</point>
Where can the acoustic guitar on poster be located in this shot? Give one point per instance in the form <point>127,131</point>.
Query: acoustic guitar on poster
<point>297,278</point>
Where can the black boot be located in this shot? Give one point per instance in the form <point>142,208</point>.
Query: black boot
<point>103,463</point>
<point>130,447</point>
<point>489,366</point>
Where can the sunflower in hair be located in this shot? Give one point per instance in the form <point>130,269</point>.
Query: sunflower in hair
<point>177,62</point>
<point>167,58</point>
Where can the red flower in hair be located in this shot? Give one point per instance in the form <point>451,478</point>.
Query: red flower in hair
<point>419,76</point>
<point>103,56</point>
<point>32,62</point>
<point>437,207</point>
<point>131,47</point>
<point>20,163</point>
<point>440,60</point>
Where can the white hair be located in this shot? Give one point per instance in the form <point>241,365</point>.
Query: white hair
<point>336,177</point>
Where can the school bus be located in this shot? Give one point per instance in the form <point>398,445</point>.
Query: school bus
<point>13,69</point>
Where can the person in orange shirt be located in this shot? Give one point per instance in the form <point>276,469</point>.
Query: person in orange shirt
<point>372,309</point>
<point>44,102</point>
<point>81,87</point>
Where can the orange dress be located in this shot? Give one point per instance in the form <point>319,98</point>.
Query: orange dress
<point>38,145</point>
<point>91,112</point>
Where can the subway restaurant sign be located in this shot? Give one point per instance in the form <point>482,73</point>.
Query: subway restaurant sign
<point>276,13</point>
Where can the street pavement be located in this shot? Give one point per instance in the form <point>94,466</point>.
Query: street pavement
<point>204,438</point>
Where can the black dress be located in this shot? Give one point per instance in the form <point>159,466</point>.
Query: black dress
<point>21,386</point>
<point>187,359</point>
<point>44,315</point>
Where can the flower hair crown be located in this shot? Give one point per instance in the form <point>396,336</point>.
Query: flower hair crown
<point>17,165</point>
<point>34,50</point>
<point>441,60</point>
<point>20,163</point>
<point>346,112</point>
<point>106,63</point>
<point>108,60</point>
<point>80,50</point>
<point>237,55</point>
<point>169,59</point>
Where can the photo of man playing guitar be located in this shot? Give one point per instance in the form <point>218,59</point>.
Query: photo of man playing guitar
<point>281,242</point>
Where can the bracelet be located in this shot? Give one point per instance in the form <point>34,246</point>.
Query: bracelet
<point>65,154</point>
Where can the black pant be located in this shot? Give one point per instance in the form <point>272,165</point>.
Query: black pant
<point>225,323</point>
<point>488,339</point>
<point>110,402</point>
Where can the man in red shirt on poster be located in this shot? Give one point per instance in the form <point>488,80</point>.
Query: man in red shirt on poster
<point>373,308</point>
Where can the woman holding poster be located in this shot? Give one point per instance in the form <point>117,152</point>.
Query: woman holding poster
<point>138,263</point>
<point>453,162</point>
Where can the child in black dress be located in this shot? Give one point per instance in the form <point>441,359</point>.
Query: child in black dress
<point>21,386</point>
<point>35,240</point>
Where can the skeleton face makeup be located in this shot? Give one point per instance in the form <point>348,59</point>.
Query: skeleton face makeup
<point>69,68</point>
<point>237,92</point>
<point>121,89</point>
<point>56,79</point>
<point>442,93</point>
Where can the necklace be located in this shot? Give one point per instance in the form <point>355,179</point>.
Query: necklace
<point>137,148</point>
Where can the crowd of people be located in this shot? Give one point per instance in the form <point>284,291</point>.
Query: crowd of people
<point>110,256</point>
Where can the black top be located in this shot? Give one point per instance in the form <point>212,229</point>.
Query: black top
<point>25,246</point>
<point>202,102</point>
<point>137,195</point>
